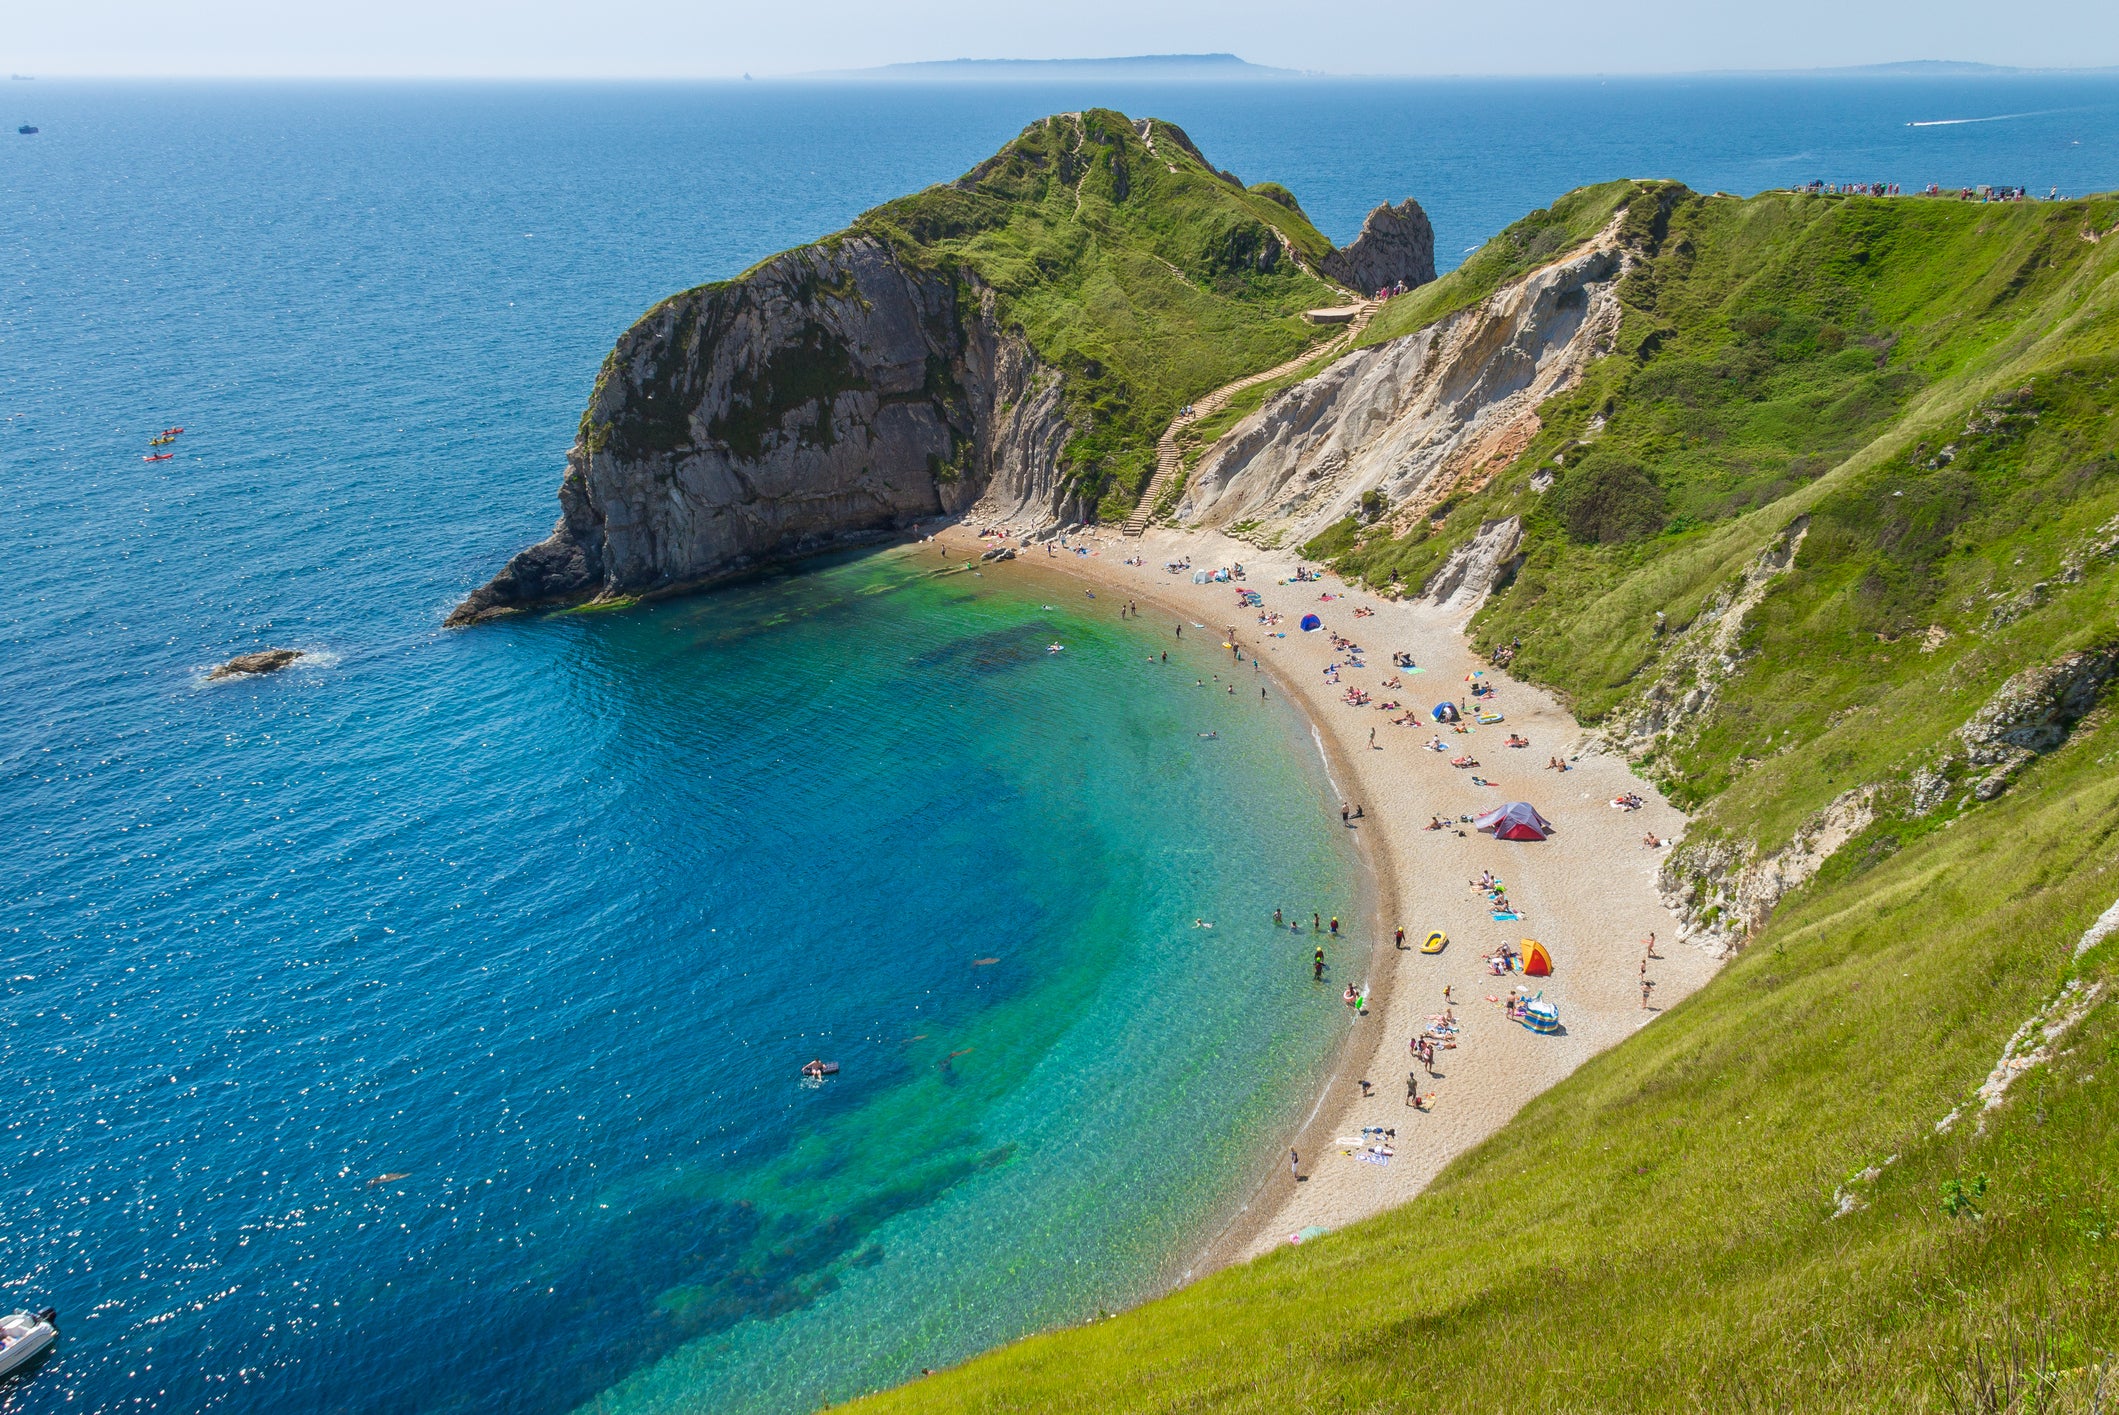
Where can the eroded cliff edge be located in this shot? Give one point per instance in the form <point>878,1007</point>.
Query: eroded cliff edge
<point>829,396</point>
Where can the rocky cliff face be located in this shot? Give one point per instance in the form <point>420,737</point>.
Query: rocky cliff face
<point>1414,418</point>
<point>830,395</point>
<point>1396,243</point>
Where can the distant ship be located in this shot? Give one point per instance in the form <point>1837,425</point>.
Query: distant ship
<point>25,130</point>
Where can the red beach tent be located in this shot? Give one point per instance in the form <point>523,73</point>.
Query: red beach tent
<point>1518,820</point>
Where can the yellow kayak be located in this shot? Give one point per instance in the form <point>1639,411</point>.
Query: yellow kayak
<point>1436,942</point>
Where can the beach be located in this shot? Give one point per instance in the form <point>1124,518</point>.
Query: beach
<point>1587,892</point>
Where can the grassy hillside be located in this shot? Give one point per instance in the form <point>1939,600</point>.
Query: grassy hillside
<point>1147,276</point>
<point>1852,466</point>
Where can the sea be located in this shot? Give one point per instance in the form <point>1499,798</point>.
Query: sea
<point>420,1029</point>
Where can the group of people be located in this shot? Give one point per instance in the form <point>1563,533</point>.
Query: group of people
<point>1933,189</point>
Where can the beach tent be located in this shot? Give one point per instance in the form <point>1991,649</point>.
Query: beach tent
<point>1446,712</point>
<point>1537,963</point>
<point>1541,1016</point>
<point>1311,621</point>
<point>1518,820</point>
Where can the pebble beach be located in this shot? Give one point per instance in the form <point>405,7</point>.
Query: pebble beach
<point>1588,893</point>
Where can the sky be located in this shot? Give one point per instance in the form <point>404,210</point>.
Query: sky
<point>716,38</point>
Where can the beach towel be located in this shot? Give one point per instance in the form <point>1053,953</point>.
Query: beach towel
<point>1506,918</point>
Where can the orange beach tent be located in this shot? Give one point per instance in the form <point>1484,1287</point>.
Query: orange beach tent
<point>1537,963</point>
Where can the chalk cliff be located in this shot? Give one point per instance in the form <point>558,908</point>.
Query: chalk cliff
<point>1414,418</point>
<point>1013,339</point>
<point>1396,243</point>
<point>828,396</point>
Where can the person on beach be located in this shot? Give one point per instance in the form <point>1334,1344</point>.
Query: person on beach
<point>1317,926</point>
<point>1647,986</point>
<point>1351,996</point>
<point>1276,918</point>
<point>1317,968</point>
<point>1335,926</point>
<point>1651,947</point>
<point>1343,814</point>
<point>1261,695</point>
<point>1412,1089</point>
<point>1166,656</point>
<point>1372,739</point>
<point>1180,631</point>
<point>1401,936</point>
<point>1294,1163</point>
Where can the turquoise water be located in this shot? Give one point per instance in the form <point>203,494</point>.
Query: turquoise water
<point>542,919</point>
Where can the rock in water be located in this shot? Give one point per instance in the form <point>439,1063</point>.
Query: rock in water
<point>1396,243</point>
<point>252,664</point>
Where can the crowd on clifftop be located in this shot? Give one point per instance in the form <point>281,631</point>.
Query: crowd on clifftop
<point>1892,189</point>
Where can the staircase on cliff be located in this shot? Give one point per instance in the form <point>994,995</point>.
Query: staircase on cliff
<point>1169,466</point>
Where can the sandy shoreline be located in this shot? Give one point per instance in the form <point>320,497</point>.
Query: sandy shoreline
<point>1588,893</point>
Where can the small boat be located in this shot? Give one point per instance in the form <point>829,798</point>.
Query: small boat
<point>158,456</point>
<point>172,432</point>
<point>26,130</point>
<point>1055,648</point>
<point>1436,942</point>
<point>818,1070</point>
<point>23,1335</point>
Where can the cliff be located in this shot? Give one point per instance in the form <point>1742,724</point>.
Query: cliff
<point>1014,339</point>
<point>1396,243</point>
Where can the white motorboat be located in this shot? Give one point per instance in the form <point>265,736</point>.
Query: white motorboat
<point>23,1335</point>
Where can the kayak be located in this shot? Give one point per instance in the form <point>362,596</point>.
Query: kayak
<point>1436,942</point>
<point>158,457</point>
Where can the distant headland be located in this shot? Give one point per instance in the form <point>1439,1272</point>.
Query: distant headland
<point>1161,68</point>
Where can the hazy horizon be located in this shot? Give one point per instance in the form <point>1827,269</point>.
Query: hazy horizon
<point>666,39</point>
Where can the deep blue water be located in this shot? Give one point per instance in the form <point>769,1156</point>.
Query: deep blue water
<point>542,918</point>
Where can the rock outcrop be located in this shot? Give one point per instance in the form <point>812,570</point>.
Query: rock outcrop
<point>252,665</point>
<point>2028,716</point>
<point>830,395</point>
<point>1396,243</point>
<point>1723,891</point>
<point>1477,568</point>
<point>1416,417</point>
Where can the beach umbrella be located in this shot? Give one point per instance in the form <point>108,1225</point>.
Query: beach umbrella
<point>1311,621</point>
<point>1518,820</point>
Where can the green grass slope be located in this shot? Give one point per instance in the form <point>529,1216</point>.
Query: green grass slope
<point>1144,274</point>
<point>1750,1205</point>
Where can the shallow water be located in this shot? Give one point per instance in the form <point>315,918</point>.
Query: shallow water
<point>540,920</point>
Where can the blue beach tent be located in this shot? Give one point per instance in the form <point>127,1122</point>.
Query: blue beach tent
<point>1311,621</point>
<point>1446,712</point>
